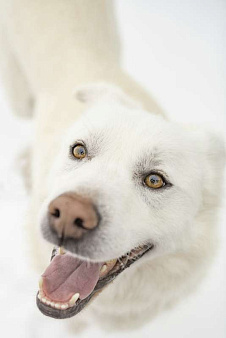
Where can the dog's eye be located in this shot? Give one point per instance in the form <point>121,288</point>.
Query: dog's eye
<point>79,151</point>
<point>154,181</point>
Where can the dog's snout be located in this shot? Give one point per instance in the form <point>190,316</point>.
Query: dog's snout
<point>71,215</point>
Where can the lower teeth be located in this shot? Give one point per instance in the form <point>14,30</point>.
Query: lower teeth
<point>59,306</point>
<point>111,265</point>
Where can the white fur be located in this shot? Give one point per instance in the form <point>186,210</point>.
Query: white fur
<point>180,220</point>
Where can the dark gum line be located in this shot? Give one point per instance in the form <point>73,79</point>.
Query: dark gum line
<point>72,311</point>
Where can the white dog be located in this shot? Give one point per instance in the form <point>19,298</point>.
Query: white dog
<point>121,187</point>
<point>155,186</point>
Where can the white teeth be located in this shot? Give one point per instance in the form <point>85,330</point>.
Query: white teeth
<point>41,293</point>
<point>40,283</point>
<point>108,266</point>
<point>62,306</point>
<point>61,250</point>
<point>73,299</point>
<point>103,269</point>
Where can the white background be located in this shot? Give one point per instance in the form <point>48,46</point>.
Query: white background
<point>176,49</point>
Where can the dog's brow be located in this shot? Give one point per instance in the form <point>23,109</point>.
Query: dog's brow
<point>93,142</point>
<point>147,162</point>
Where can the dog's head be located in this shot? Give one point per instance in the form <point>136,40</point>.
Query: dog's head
<point>125,179</point>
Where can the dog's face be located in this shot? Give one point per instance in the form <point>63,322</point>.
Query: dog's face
<point>147,178</point>
<point>125,183</point>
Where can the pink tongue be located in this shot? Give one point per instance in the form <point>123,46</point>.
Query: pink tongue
<point>67,275</point>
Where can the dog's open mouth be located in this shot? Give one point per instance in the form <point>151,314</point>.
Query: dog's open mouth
<point>69,283</point>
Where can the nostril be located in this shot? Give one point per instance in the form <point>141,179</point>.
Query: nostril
<point>79,222</point>
<point>56,213</point>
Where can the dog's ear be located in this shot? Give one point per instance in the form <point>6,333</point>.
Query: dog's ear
<point>211,146</point>
<point>95,92</point>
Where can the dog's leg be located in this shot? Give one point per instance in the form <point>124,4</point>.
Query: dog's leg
<point>16,86</point>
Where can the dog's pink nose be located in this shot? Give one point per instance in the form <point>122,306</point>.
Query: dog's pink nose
<point>71,215</point>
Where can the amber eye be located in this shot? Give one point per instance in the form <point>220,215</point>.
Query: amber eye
<point>154,181</point>
<point>79,151</point>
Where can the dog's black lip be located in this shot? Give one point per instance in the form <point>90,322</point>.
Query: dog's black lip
<point>80,304</point>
